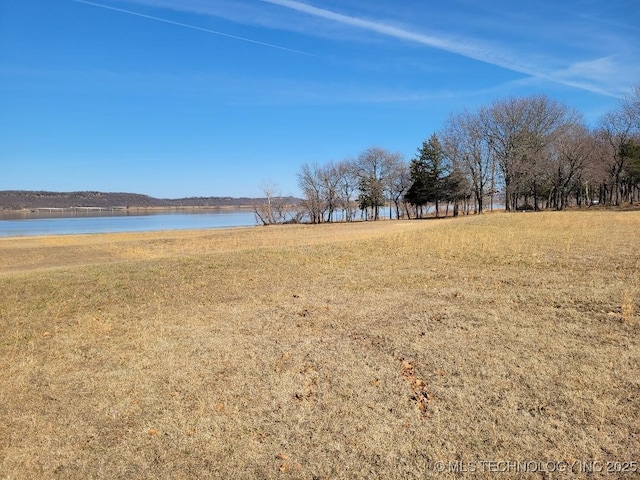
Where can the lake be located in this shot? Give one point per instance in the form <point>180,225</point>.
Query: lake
<point>19,224</point>
<point>44,223</point>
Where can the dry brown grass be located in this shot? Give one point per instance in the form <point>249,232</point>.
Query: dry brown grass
<point>334,351</point>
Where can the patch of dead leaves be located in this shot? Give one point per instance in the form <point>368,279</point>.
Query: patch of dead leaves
<point>421,395</point>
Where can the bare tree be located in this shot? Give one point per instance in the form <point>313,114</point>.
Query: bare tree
<point>347,187</point>
<point>274,208</point>
<point>620,132</point>
<point>616,132</point>
<point>310,181</point>
<point>631,106</point>
<point>330,177</point>
<point>373,167</point>
<point>327,189</point>
<point>398,183</point>
<point>520,132</point>
<point>468,148</point>
<point>574,152</point>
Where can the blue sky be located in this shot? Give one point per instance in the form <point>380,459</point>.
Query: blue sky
<point>176,98</point>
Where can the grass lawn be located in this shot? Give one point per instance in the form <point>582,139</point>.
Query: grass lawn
<point>369,350</point>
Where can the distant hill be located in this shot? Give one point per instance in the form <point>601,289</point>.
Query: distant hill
<point>26,200</point>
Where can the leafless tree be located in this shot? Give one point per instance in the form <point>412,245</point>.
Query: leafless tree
<point>328,188</point>
<point>575,151</point>
<point>631,105</point>
<point>373,168</point>
<point>519,132</point>
<point>467,146</point>
<point>274,208</point>
<point>397,183</point>
<point>616,131</point>
<point>347,187</point>
<point>330,177</point>
<point>619,131</point>
<point>310,181</point>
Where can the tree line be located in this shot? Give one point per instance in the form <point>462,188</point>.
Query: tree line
<point>528,153</point>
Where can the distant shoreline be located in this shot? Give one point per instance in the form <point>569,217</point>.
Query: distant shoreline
<point>21,203</point>
<point>70,212</point>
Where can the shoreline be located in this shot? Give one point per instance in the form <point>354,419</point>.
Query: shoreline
<point>115,211</point>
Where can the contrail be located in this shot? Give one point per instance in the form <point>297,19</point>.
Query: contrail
<point>449,45</point>
<point>186,25</point>
<point>474,50</point>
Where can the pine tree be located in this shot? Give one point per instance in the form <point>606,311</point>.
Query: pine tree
<point>428,172</point>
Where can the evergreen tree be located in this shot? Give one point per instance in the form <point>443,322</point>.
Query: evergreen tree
<point>428,172</point>
<point>371,196</point>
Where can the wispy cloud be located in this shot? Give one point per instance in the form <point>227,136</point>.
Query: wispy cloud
<point>469,48</point>
<point>193,27</point>
<point>589,75</point>
<point>531,52</point>
<point>595,75</point>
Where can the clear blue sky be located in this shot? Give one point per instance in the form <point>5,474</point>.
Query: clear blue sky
<point>176,98</point>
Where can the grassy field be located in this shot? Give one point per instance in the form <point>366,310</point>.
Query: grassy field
<point>371,350</point>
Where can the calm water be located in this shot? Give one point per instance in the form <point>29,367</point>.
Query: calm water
<point>51,224</point>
